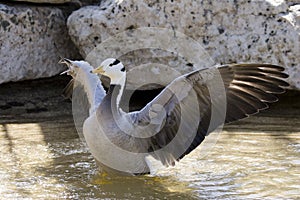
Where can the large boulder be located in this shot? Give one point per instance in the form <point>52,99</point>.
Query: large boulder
<point>265,31</point>
<point>81,2</point>
<point>32,39</point>
<point>46,1</point>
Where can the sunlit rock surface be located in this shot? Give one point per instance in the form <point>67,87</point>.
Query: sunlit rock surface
<point>265,31</point>
<point>46,1</point>
<point>32,39</point>
<point>82,2</point>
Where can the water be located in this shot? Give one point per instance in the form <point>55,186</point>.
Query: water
<point>242,165</point>
<point>43,158</point>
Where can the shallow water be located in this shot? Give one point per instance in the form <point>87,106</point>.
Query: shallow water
<point>242,165</point>
<point>43,158</point>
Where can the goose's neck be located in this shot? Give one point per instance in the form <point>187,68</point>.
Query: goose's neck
<point>116,91</point>
<point>93,89</point>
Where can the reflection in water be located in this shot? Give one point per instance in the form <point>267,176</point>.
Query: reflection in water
<point>142,187</point>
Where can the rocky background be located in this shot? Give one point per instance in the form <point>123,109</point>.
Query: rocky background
<point>35,34</point>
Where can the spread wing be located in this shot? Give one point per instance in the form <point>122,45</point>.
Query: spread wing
<point>195,104</point>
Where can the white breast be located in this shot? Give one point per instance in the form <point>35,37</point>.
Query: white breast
<point>109,154</point>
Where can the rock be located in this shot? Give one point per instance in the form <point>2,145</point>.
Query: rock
<point>32,41</point>
<point>81,2</point>
<point>265,31</point>
<point>46,1</point>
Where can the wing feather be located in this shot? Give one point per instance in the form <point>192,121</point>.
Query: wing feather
<point>68,90</point>
<point>189,100</point>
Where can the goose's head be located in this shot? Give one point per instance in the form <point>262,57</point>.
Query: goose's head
<point>112,68</point>
<point>75,66</point>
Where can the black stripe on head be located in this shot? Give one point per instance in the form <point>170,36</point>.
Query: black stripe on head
<point>114,63</point>
<point>123,69</point>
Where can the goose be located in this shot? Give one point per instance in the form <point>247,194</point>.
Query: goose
<point>176,121</point>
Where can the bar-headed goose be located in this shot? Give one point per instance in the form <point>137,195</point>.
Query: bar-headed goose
<point>177,120</point>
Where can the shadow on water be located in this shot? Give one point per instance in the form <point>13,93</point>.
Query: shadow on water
<point>43,157</point>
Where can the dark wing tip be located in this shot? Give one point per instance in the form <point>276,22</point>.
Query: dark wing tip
<point>251,86</point>
<point>272,74</point>
<point>259,65</point>
<point>68,90</point>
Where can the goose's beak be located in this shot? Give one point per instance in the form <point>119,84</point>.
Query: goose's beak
<point>98,70</point>
<point>68,63</point>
